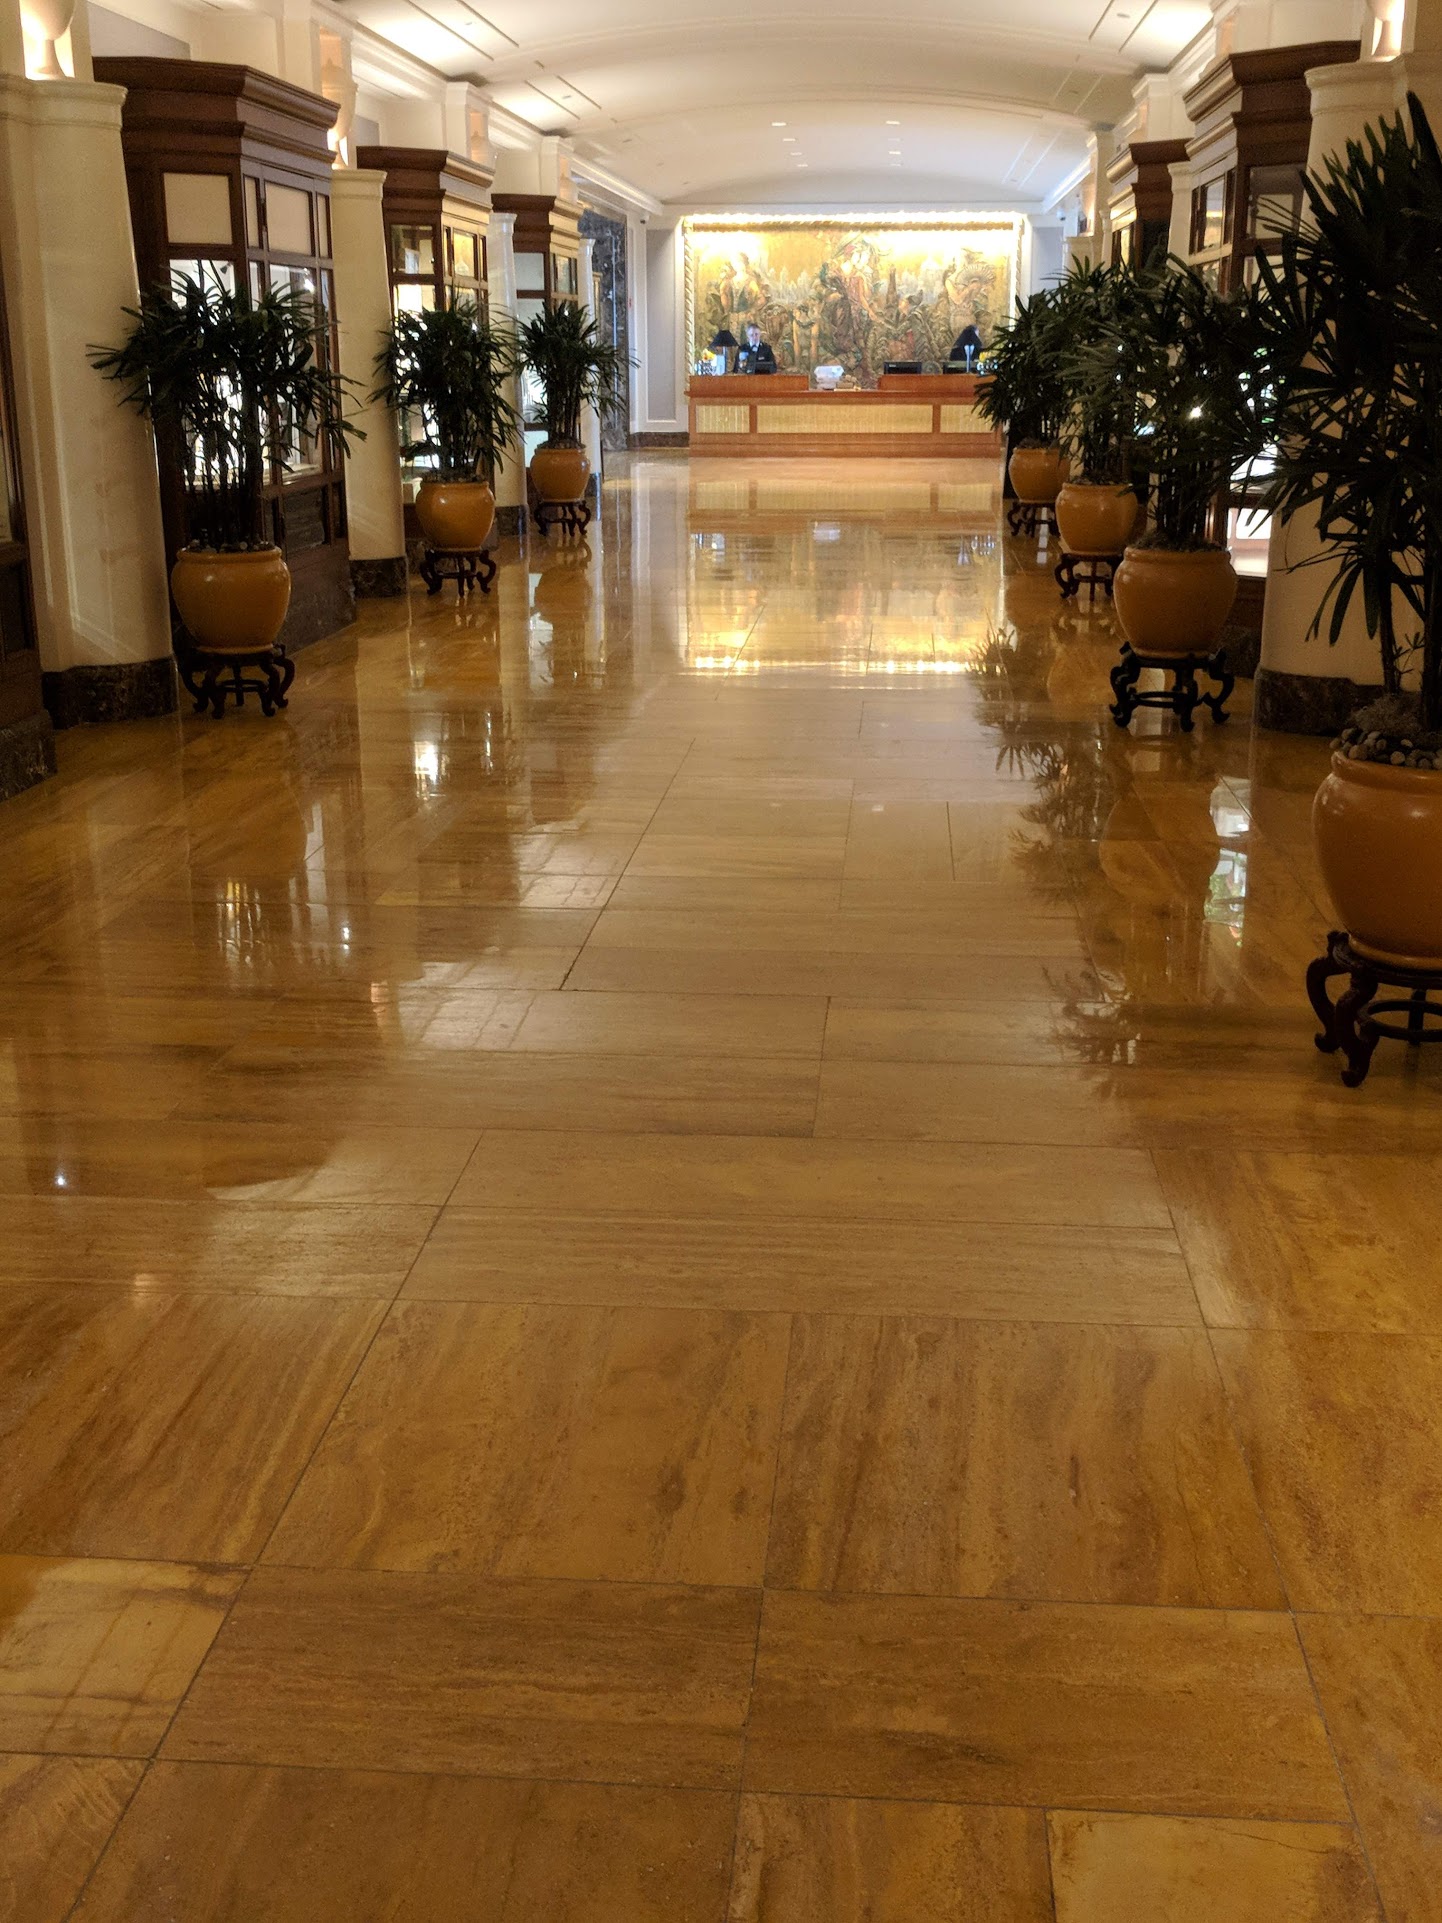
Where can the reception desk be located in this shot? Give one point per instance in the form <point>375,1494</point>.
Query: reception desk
<point>767,414</point>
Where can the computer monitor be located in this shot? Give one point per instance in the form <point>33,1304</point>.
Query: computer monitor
<point>902,367</point>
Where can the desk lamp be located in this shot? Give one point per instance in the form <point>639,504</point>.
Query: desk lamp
<point>721,343</point>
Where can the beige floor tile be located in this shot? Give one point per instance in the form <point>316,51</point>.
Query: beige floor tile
<point>1344,1436</point>
<point>799,1859</point>
<point>1066,1464</point>
<point>673,1024</point>
<point>626,1445</point>
<point>1379,1681</point>
<point>616,1682</point>
<point>288,1250</point>
<point>704,1094</point>
<point>56,1813</point>
<point>96,1656</point>
<point>230,1162</point>
<point>214,1845</point>
<point>1308,1241</point>
<point>1146,1709</point>
<point>1027,1274</point>
<point>109,1400</point>
<point>749,1177</point>
<point>1160,1869</point>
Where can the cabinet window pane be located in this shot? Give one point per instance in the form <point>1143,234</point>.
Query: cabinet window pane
<point>197,210</point>
<point>287,220</point>
<point>531,273</point>
<point>252,210</point>
<point>413,250</point>
<point>463,254</point>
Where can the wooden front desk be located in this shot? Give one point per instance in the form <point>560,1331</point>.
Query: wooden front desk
<point>769,414</point>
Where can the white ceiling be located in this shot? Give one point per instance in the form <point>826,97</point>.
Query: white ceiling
<point>681,98</point>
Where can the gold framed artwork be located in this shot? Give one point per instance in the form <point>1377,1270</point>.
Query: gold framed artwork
<point>850,290</point>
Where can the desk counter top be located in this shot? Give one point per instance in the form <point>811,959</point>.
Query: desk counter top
<point>783,414</point>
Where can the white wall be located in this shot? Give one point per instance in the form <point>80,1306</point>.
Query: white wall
<point>664,372</point>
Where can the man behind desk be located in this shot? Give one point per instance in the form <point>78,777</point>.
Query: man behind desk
<point>756,357</point>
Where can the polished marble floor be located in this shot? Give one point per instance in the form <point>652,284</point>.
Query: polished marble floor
<point>679,1256</point>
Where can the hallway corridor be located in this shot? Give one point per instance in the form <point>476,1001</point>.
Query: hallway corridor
<point>678,1255</point>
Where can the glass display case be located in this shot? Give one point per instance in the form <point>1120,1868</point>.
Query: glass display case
<point>436,207</point>
<point>1252,116</point>
<point>1139,199</point>
<point>229,173</point>
<point>547,243</point>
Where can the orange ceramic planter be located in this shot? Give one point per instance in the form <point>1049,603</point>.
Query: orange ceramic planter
<point>1037,473</point>
<point>1378,831</point>
<point>1174,602</point>
<point>1095,520</point>
<point>456,514</point>
<point>231,603</point>
<point>560,473</point>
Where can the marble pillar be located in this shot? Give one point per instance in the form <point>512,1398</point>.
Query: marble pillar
<point>501,286</point>
<point>374,511</point>
<point>91,486</point>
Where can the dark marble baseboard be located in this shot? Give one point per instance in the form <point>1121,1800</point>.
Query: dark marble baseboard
<point>1244,648</point>
<point>511,521</point>
<point>27,754</point>
<point>380,580</point>
<point>114,691</point>
<point>681,439</point>
<point>1307,703</point>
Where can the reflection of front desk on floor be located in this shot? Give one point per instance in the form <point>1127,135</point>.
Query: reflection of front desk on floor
<point>771,414</point>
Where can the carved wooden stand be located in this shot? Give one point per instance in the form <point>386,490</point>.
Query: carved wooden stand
<point>1351,1022</point>
<point>1074,572</point>
<point>465,566</point>
<point>574,516</point>
<point>211,679</point>
<point>1183,697</point>
<point>1030,517</point>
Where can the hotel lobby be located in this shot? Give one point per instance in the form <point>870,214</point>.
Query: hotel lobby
<point>677,1247</point>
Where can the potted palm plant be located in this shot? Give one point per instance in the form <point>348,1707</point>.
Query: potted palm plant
<point>574,369</point>
<point>1201,382</point>
<point>446,373</point>
<point>1025,396</point>
<point>1097,507</point>
<point>1353,319</point>
<point>236,388</point>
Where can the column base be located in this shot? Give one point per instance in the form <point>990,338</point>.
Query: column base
<point>658,440</point>
<point>383,580</point>
<point>1307,703</point>
<point>511,521</point>
<point>116,691</point>
<point>27,754</point>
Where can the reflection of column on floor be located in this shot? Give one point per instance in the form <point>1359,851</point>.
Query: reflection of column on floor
<point>92,496</point>
<point>501,267</point>
<point>374,513</point>
<point>1307,685</point>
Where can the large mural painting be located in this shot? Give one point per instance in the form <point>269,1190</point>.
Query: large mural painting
<point>838,291</point>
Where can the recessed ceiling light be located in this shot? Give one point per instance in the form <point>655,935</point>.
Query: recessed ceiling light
<point>893,123</point>
<point>803,163</point>
<point>778,123</point>
<point>788,140</point>
<point>895,152</point>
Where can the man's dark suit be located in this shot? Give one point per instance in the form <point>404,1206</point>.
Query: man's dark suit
<point>760,359</point>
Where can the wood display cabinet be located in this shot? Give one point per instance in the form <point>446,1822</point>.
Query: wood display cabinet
<point>1253,118</point>
<point>229,174</point>
<point>1139,204</point>
<point>547,245</point>
<point>436,207</point>
<point>20,683</point>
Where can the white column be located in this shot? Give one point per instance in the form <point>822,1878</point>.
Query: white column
<point>91,487</point>
<point>363,302</point>
<point>1306,685</point>
<point>501,286</point>
<point>590,419</point>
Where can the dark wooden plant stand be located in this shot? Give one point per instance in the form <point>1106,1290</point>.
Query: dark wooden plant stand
<point>467,567</point>
<point>1183,697</point>
<point>1351,1022</point>
<point>1030,517</point>
<point>1074,572</point>
<point>574,516</point>
<point>212,679</point>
